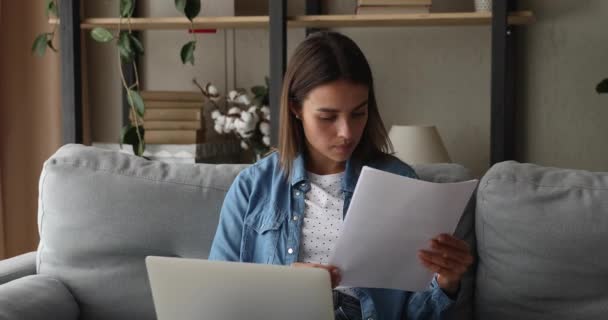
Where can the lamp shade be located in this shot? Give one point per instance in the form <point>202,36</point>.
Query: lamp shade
<point>418,144</point>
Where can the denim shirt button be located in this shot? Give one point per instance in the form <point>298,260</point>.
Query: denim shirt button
<point>290,250</point>
<point>295,217</point>
<point>298,193</point>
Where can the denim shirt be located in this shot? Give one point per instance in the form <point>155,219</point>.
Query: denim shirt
<point>261,222</point>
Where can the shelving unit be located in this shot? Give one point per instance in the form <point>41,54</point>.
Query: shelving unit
<point>502,21</point>
<point>311,21</point>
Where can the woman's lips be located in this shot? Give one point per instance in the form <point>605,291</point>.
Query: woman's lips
<point>343,148</point>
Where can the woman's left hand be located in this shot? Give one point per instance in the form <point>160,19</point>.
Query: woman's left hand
<point>450,258</point>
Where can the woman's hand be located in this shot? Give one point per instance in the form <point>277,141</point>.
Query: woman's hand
<point>334,272</point>
<point>450,258</point>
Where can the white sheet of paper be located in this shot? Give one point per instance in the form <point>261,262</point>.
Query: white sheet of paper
<point>389,219</point>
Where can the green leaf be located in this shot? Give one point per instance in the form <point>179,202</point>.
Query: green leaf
<point>101,34</point>
<point>126,8</point>
<point>139,48</point>
<point>123,134</point>
<point>602,87</point>
<point>259,90</point>
<point>49,43</point>
<point>180,5</point>
<point>39,46</point>
<point>187,52</point>
<point>190,8</point>
<point>136,101</point>
<point>51,9</point>
<point>128,135</point>
<point>141,147</point>
<point>124,47</point>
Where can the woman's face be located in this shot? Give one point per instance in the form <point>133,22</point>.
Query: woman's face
<point>334,116</point>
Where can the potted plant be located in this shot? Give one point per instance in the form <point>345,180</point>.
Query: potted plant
<point>128,48</point>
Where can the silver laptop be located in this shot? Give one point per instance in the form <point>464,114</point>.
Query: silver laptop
<point>200,289</point>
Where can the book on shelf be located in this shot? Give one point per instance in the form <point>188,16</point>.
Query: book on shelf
<point>362,10</point>
<point>173,114</point>
<point>171,136</point>
<point>394,3</point>
<point>156,104</point>
<point>171,95</point>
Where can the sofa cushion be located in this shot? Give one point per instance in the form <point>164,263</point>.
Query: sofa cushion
<point>541,234</point>
<point>446,173</point>
<point>102,212</point>
<point>36,297</point>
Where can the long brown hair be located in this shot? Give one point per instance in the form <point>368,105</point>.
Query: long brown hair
<point>321,58</point>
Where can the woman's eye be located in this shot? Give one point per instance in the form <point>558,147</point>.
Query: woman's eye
<point>327,118</point>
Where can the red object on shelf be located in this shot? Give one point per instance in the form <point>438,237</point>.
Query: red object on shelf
<point>202,30</point>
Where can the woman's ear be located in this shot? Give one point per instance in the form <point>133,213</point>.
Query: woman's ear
<point>295,111</point>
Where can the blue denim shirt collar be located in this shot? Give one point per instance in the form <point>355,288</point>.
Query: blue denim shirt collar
<point>299,177</point>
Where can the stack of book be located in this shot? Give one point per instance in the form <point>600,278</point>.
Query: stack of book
<point>173,117</point>
<point>393,6</point>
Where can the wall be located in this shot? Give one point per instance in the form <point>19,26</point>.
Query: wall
<point>103,81</point>
<point>30,121</point>
<point>563,56</point>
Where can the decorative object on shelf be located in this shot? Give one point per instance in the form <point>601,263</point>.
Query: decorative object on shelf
<point>393,6</point>
<point>173,117</point>
<point>483,5</point>
<point>243,115</point>
<point>418,144</point>
<point>129,48</point>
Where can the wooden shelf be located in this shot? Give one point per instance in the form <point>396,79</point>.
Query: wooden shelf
<point>319,21</point>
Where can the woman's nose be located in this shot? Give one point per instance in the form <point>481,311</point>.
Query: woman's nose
<point>345,130</point>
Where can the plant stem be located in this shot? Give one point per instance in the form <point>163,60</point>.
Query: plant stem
<point>124,83</point>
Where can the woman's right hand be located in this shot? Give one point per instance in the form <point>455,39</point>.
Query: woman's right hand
<point>334,272</point>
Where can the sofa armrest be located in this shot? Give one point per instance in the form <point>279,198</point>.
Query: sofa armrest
<point>17,267</point>
<point>37,297</point>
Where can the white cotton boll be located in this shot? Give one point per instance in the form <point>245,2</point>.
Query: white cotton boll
<point>215,114</point>
<point>265,128</point>
<point>221,120</point>
<point>212,90</point>
<point>232,94</point>
<point>244,99</point>
<point>229,125</point>
<point>266,140</point>
<point>250,126</point>
<point>265,110</point>
<point>218,128</point>
<point>234,110</point>
<point>244,145</point>
<point>246,116</point>
<point>252,109</point>
<point>239,125</point>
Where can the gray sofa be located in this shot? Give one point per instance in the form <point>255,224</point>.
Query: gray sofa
<point>539,234</point>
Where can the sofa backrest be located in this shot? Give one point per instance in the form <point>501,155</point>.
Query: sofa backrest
<point>102,212</point>
<point>540,236</point>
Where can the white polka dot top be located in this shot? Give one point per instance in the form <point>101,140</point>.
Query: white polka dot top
<point>323,216</point>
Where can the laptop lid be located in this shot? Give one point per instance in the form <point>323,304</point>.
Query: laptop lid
<point>202,289</point>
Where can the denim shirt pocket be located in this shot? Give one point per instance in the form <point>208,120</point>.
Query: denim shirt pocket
<point>264,232</point>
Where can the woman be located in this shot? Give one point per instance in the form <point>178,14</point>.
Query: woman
<point>288,208</point>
